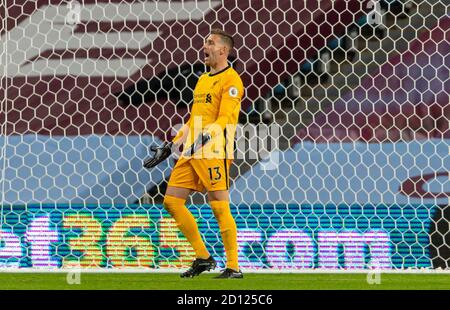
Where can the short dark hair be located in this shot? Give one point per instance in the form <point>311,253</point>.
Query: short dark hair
<point>225,36</point>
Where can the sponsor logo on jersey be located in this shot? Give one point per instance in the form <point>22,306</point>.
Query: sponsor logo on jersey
<point>208,98</point>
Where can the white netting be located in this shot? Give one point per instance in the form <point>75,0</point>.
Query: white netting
<point>342,153</point>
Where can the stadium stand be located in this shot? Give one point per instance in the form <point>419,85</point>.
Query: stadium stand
<point>396,103</point>
<point>49,96</point>
<point>404,103</point>
<point>85,95</point>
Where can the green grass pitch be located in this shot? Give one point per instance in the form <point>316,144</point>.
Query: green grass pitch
<point>172,281</point>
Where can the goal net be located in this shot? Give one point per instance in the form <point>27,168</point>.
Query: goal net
<point>342,149</point>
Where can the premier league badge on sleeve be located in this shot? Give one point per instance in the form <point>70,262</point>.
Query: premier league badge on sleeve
<point>233,92</point>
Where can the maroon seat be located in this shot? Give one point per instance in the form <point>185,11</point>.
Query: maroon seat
<point>406,99</point>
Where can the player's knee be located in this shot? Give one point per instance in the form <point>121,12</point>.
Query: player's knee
<point>218,196</point>
<point>219,210</point>
<point>171,203</point>
<point>224,218</point>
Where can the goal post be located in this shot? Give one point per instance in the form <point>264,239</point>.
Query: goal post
<point>342,150</point>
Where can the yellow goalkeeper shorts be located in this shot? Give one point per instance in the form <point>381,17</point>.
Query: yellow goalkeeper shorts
<point>201,174</point>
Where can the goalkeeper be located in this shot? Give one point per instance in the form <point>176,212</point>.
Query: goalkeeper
<point>208,139</point>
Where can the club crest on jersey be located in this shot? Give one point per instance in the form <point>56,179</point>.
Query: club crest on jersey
<point>233,92</point>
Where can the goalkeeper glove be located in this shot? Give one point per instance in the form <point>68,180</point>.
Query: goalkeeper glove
<point>202,139</point>
<point>160,154</point>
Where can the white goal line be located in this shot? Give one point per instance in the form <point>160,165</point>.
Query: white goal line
<point>250,270</point>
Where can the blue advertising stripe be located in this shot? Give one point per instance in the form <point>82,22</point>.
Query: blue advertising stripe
<point>77,169</point>
<point>348,173</point>
<point>282,235</point>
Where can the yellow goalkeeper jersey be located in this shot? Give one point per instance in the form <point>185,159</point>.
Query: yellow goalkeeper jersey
<point>217,102</point>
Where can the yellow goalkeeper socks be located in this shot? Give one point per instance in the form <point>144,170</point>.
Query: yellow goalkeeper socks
<point>187,224</point>
<point>228,230</point>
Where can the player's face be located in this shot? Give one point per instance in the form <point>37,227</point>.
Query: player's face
<point>213,50</point>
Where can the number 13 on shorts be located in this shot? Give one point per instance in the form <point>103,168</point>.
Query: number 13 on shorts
<point>214,174</point>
